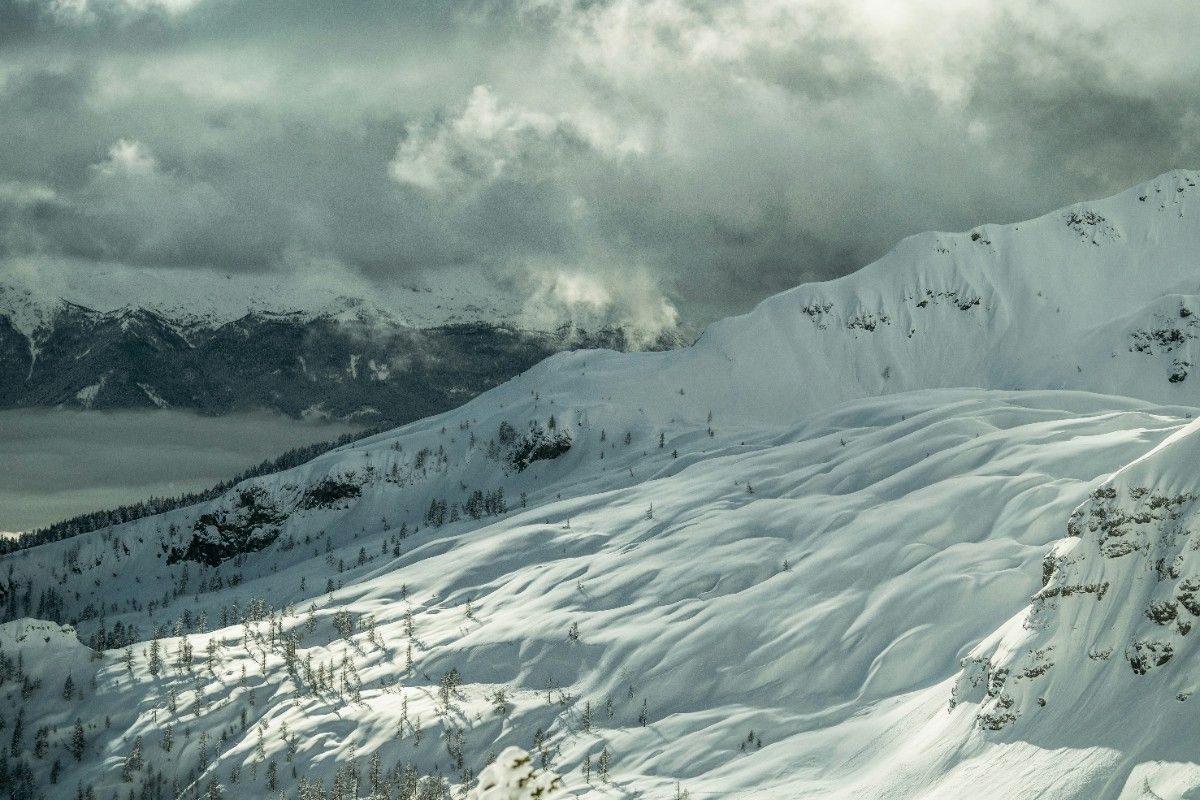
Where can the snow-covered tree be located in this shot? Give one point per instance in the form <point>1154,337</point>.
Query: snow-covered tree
<point>512,776</point>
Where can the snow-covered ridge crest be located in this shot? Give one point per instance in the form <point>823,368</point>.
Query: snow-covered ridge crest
<point>32,292</point>
<point>1100,296</point>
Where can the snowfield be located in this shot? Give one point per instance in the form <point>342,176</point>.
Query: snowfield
<point>925,531</point>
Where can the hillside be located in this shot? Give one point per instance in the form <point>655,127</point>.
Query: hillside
<point>920,532</point>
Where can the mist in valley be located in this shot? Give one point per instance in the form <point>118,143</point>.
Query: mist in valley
<point>57,463</point>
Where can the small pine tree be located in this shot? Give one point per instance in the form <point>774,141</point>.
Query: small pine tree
<point>41,742</point>
<point>78,742</point>
<point>375,776</point>
<point>447,686</point>
<point>155,658</point>
<point>500,702</point>
<point>18,733</point>
<point>133,761</point>
<point>68,688</point>
<point>343,623</point>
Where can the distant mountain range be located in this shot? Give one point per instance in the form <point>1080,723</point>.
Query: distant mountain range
<point>245,344</point>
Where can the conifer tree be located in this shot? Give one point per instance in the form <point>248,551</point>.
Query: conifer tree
<point>78,742</point>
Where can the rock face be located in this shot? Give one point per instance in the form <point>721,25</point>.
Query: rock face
<point>245,521</point>
<point>1120,596</point>
<point>296,363</point>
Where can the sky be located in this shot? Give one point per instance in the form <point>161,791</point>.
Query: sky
<point>677,160</point>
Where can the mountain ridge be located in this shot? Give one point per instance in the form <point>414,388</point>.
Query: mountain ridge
<point>345,361</point>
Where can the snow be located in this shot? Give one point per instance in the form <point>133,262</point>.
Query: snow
<point>904,547</point>
<point>812,587</point>
<point>154,396</point>
<point>31,293</point>
<point>87,395</point>
<point>513,777</point>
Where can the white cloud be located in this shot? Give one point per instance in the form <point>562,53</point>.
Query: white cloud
<point>489,139</point>
<point>21,193</point>
<point>597,297</point>
<point>128,157</point>
<point>85,12</point>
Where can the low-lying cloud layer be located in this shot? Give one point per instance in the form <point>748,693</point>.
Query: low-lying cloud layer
<point>60,463</point>
<point>661,154</point>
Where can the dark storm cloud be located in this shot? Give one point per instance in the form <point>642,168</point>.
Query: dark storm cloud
<point>706,153</point>
<point>1065,108</point>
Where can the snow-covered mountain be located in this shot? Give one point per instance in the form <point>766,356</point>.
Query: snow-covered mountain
<point>924,531</point>
<point>121,337</point>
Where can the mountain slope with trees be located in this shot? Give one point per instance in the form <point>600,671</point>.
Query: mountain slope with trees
<point>924,531</point>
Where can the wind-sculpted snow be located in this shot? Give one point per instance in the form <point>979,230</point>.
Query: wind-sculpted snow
<point>760,566</point>
<point>740,603</point>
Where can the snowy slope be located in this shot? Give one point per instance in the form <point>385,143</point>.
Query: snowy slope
<point>1101,296</point>
<point>903,547</point>
<point>790,561</point>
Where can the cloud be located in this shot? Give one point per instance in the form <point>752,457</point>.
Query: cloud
<point>490,141</point>
<point>128,208</point>
<point>595,298</point>
<point>127,158</point>
<point>707,153</point>
<point>60,463</point>
<point>483,143</point>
